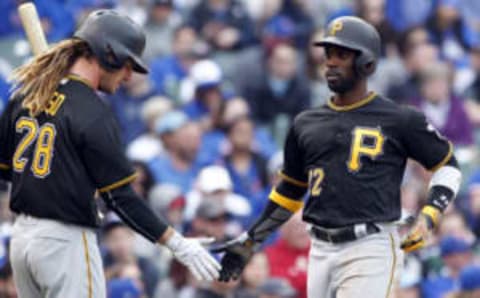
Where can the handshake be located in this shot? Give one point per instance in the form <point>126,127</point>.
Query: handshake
<point>191,253</point>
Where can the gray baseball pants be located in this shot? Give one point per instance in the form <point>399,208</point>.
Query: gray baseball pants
<point>366,267</point>
<point>51,259</point>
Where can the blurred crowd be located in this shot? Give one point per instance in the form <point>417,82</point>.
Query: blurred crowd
<point>204,130</point>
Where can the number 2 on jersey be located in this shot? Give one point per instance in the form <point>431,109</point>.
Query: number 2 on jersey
<point>315,177</point>
<point>43,151</point>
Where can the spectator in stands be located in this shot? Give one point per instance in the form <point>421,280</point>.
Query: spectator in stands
<point>181,161</point>
<point>472,94</point>
<point>373,11</point>
<point>162,21</point>
<point>409,281</point>
<point>247,168</point>
<point>177,284</point>
<point>290,24</point>
<point>56,20</point>
<point>120,260</point>
<point>126,104</point>
<point>276,288</point>
<point>472,208</point>
<point>215,141</point>
<point>456,253</point>
<point>4,93</point>
<point>416,55</point>
<point>450,32</point>
<point>315,70</point>
<point>148,145</point>
<point>211,220</point>
<point>206,106</point>
<point>444,110</point>
<point>144,180</point>
<point>256,272</point>
<point>288,257</point>
<point>167,72</point>
<point>214,184</point>
<point>281,91</point>
<point>122,288</point>
<point>469,283</point>
<point>7,285</point>
<point>225,24</point>
<point>406,14</point>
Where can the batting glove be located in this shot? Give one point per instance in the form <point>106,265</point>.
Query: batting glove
<point>237,254</point>
<point>419,233</point>
<point>191,253</point>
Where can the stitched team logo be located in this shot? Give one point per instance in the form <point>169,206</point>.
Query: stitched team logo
<point>336,26</point>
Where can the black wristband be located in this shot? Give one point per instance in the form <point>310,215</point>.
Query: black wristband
<point>440,196</point>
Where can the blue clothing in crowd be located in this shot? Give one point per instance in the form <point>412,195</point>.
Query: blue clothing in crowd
<point>438,287</point>
<point>127,110</point>
<point>166,74</point>
<point>4,94</point>
<point>164,171</point>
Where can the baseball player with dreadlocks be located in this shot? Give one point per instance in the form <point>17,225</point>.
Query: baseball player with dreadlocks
<point>59,144</point>
<point>349,156</point>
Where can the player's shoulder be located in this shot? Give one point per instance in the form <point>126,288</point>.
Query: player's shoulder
<point>81,97</point>
<point>392,108</point>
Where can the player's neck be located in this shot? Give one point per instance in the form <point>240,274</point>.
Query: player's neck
<point>352,96</point>
<point>88,70</point>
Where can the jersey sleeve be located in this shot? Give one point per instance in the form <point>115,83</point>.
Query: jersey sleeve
<point>293,167</point>
<point>103,154</point>
<point>424,143</point>
<point>6,139</point>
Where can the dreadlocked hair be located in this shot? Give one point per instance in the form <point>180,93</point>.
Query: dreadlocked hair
<point>37,81</point>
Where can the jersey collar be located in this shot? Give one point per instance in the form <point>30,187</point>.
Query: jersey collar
<point>358,104</point>
<point>74,77</point>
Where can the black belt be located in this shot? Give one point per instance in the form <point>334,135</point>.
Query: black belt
<point>344,234</point>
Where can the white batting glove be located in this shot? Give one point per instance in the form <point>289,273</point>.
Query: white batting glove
<point>191,253</point>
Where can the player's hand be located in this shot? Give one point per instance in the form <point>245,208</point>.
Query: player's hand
<point>237,254</point>
<point>418,235</point>
<point>191,253</point>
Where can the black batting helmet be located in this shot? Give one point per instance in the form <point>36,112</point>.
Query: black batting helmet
<point>114,39</point>
<point>355,34</point>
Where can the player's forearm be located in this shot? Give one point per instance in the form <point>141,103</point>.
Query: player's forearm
<point>443,189</point>
<point>284,201</point>
<point>136,214</point>
<point>444,185</point>
<point>272,218</point>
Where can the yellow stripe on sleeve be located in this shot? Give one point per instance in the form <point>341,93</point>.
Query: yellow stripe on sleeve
<point>118,183</point>
<point>287,203</point>
<point>445,159</point>
<point>292,180</point>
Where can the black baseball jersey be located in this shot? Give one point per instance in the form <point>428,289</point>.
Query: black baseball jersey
<point>57,160</point>
<point>352,159</point>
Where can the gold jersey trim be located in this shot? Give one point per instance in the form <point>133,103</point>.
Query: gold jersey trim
<point>77,78</point>
<point>287,203</point>
<point>445,159</point>
<point>118,183</point>
<point>292,180</point>
<point>352,106</point>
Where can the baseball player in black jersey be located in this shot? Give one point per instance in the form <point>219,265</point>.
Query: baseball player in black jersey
<point>59,144</point>
<point>349,156</point>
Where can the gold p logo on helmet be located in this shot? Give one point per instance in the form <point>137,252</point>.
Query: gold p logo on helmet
<point>336,26</point>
